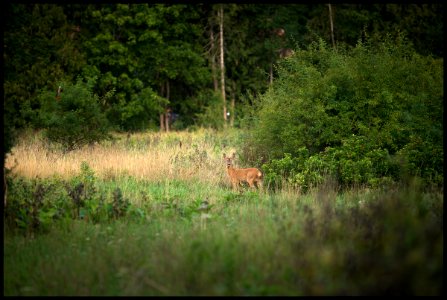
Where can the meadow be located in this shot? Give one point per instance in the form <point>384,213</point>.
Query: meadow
<point>125,217</point>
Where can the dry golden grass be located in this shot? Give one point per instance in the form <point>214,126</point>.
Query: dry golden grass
<point>150,156</point>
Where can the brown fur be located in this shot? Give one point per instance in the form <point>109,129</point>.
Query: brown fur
<point>252,176</point>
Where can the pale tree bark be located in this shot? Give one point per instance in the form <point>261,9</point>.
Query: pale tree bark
<point>162,122</point>
<point>222,64</point>
<point>213,61</point>
<point>166,114</point>
<point>332,25</point>
<point>168,110</point>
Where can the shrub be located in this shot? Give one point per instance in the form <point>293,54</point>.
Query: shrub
<point>34,205</point>
<point>356,162</point>
<point>75,119</point>
<point>354,111</point>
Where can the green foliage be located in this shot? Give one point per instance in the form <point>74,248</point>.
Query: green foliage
<point>358,242</point>
<point>212,112</point>
<point>35,205</point>
<point>134,114</point>
<point>356,112</point>
<point>38,52</point>
<point>424,159</point>
<point>359,162</point>
<point>119,204</point>
<point>75,119</point>
<point>83,193</point>
<point>278,169</point>
<point>90,203</point>
<point>139,50</point>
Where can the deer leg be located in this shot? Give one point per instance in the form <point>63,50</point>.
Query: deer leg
<point>250,183</point>
<point>259,184</point>
<point>235,185</point>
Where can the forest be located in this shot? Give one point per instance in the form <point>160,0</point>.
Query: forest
<point>150,58</point>
<point>118,117</point>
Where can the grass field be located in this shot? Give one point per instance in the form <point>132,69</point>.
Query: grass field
<point>325,242</point>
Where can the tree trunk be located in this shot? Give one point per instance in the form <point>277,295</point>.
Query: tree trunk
<point>332,25</point>
<point>167,111</point>
<point>162,114</point>
<point>213,61</point>
<point>222,65</point>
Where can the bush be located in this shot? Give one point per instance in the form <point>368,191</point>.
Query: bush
<point>35,204</point>
<point>75,119</point>
<point>356,162</point>
<point>354,111</point>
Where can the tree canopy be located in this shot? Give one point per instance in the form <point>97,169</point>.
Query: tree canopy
<point>159,55</point>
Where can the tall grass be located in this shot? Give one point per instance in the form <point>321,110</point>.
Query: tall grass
<point>148,156</point>
<point>324,242</point>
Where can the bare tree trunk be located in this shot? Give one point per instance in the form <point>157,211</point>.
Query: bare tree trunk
<point>271,73</point>
<point>222,65</point>
<point>162,114</point>
<point>332,25</point>
<point>167,111</point>
<point>213,61</point>
<point>162,122</point>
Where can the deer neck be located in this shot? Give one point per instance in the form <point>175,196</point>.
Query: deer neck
<point>230,169</point>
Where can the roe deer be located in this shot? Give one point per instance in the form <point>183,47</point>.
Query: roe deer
<point>250,175</point>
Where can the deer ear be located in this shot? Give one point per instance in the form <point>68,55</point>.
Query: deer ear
<point>234,154</point>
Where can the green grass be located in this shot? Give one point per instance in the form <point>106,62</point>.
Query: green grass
<point>327,242</point>
<point>139,230</point>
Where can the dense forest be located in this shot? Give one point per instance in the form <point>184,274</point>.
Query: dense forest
<point>133,67</point>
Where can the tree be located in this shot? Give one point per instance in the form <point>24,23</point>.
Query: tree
<point>422,23</point>
<point>153,54</point>
<point>222,62</point>
<point>74,119</point>
<point>332,25</point>
<point>38,53</point>
<point>151,48</point>
<point>113,58</point>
